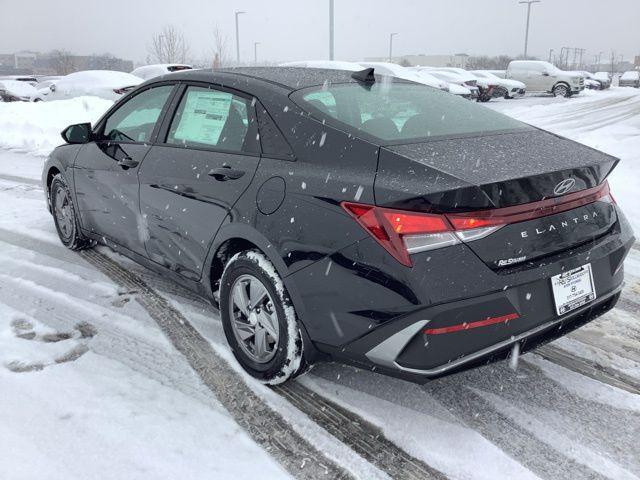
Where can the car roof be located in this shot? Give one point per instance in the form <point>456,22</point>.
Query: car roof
<point>289,78</point>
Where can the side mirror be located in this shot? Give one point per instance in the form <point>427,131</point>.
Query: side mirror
<point>52,87</point>
<point>80,133</point>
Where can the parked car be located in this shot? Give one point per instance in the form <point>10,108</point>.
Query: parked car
<point>105,84</point>
<point>18,91</point>
<point>318,206</point>
<point>454,81</point>
<point>543,77</point>
<point>151,71</point>
<point>590,81</point>
<point>511,88</point>
<point>487,89</point>
<point>630,79</point>
<point>604,78</point>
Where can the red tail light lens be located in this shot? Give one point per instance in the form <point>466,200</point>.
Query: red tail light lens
<point>402,232</point>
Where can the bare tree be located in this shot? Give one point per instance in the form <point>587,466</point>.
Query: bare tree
<point>168,46</point>
<point>63,62</point>
<point>221,55</point>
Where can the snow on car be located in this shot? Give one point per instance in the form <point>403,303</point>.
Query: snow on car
<point>106,84</point>
<point>18,91</point>
<point>151,71</point>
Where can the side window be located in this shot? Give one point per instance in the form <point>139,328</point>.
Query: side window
<point>135,120</point>
<point>211,118</point>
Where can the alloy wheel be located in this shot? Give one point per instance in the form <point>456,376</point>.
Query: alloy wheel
<point>64,213</point>
<point>254,319</point>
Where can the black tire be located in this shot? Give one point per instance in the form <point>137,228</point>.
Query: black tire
<point>64,216</point>
<point>562,90</point>
<point>288,357</point>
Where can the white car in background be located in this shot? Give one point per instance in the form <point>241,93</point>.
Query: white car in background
<point>512,88</point>
<point>105,84</point>
<point>18,91</point>
<point>488,88</point>
<point>454,80</point>
<point>151,71</point>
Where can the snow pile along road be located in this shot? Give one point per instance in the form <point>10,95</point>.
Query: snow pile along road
<point>35,127</point>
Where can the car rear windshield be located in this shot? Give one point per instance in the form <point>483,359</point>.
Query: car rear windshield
<point>396,111</point>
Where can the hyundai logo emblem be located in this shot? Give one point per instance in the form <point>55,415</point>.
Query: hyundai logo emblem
<point>564,186</point>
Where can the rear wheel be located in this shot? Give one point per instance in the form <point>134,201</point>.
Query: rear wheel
<point>561,90</point>
<point>259,320</point>
<point>64,216</point>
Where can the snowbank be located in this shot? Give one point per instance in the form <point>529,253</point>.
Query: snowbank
<point>35,127</point>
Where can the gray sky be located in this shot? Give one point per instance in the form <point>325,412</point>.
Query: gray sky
<point>297,30</point>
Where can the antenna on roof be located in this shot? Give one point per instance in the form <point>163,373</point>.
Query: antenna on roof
<point>365,76</point>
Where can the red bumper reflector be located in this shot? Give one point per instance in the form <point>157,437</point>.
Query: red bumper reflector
<point>467,326</point>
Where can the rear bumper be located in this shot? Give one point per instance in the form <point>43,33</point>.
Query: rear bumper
<point>362,307</point>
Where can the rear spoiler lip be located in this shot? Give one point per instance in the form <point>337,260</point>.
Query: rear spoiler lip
<point>533,210</point>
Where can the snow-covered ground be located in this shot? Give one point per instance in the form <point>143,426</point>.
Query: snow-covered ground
<point>91,388</point>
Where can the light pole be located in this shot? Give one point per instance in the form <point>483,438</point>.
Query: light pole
<point>161,40</point>
<point>238,38</point>
<point>550,54</point>
<point>331,44</point>
<point>391,35</point>
<point>255,52</point>
<point>526,35</point>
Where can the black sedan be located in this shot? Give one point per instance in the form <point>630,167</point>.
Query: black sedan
<point>343,215</point>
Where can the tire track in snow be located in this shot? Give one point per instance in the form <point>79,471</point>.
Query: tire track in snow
<point>290,449</point>
<point>480,415</point>
<point>267,428</point>
<point>589,369</point>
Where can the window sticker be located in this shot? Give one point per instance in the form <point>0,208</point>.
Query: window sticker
<point>203,117</point>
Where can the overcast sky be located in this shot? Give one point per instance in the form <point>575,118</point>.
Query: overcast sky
<point>298,29</point>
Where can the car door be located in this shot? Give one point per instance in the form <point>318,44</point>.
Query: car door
<point>205,158</point>
<point>106,169</point>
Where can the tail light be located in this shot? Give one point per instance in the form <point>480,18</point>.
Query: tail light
<point>402,232</point>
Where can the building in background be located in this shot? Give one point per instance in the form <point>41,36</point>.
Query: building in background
<point>458,60</point>
<point>58,62</point>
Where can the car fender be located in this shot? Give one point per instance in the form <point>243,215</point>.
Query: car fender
<point>61,159</point>
<point>232,230</point>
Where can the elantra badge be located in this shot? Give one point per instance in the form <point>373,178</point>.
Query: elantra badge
<point>564,186</point>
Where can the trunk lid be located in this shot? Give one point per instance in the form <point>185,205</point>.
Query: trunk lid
<point>475,174</point>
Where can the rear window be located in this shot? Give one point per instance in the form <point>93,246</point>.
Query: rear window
<point>397,111</point>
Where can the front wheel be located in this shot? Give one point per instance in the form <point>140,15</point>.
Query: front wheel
<point>561,90</point>
<point>259,320</point>
<point>64,216</point>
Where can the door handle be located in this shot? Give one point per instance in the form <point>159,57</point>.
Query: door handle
<point>128,162</point>
<point>226,173</point>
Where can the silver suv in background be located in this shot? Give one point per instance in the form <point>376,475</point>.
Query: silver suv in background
<point>543,77</point>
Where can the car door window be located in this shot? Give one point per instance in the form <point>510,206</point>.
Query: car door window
<point>135,120</point>
<point>207,117</point>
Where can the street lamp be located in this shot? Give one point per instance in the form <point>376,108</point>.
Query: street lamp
<point>391,35</point>
<point>255,52</point>
<point>238,38</point>
<point>331,44</point>
<point>526,35</point>
<point>550,54</point>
